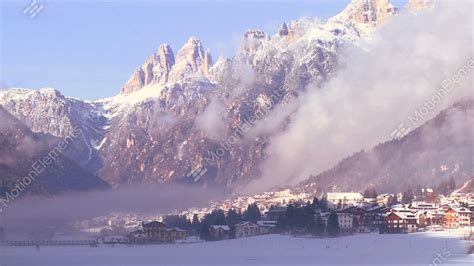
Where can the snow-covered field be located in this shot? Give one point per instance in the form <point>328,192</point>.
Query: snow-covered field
<point>442,248</point>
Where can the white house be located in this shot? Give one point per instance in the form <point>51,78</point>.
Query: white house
<point>464,215</point>
<point>219,232</point>
<point>246,229</point>
<point>344,199</point>
<point>346,221</point>
<point>420,205</point>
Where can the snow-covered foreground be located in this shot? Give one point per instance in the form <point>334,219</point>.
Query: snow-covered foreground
<point>362,249</point>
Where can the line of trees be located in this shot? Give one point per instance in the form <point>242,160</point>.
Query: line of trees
<point>298,219</point>
<point>301,219</point>
<point>216,217</point>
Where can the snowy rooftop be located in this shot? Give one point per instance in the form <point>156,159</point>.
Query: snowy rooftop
<point>344,195</point>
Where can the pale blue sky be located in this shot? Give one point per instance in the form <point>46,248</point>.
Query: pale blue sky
<point>88,49</point>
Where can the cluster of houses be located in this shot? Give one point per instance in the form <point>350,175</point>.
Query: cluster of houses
<point>356,214</point>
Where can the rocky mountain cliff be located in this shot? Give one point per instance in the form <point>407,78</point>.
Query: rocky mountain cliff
<point>48,111</point>
<point>20,154</point>
<point>177,117</point>
<point>155,70</point>
<point>161,136</point>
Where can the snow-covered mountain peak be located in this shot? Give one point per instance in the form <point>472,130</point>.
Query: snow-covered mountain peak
<point>253,39</point>
<point>191,60</point>
<point>369,12</point>
<point>21,94</point>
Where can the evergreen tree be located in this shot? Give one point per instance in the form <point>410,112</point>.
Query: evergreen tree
<point>308,209</point>
<point>407,197</point>
<point>180,221</point>
<point>195,224</point>
<point>252,214</point>
<point>392,200</point>
<point>316,203</point>
<point>333,224</point>
<point>290,216</point>
<point>282,224</point>
<point>324,204</point>
<point>451,185</point>
<point>232,217</point>
<point>370,193</point>
<point>218,217</point>
<point>419,191</point>
<point>204,233</point>
<point>442,189</point>
<point>317,227</point>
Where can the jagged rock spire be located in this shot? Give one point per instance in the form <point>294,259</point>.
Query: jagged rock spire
<point>156,69</point>
<point>191,59</point>
<point>283,30</point>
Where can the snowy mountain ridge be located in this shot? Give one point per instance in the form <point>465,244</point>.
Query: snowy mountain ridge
<point>149,131</point>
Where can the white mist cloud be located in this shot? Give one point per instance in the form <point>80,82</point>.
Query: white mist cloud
<point>378,87</point>
<point>34,213</point>
<point>211,120</point>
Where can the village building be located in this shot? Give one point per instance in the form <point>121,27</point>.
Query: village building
<point>344,199</point>
<point>345,221</point>
<point>422,219</point>
<point>464,217</point>
<point>174,234</point>
<point>154,231</point>
<point>219,232</point>
<point>451,218</point>
<point>430,195</point>
<point>462,197</point>
<point>276,213</point>
<point>358,215</point>
<point>418,205</point>
<point>400,208</point>
<point>137,237</point>
<point>374,217</point>
<point>266,227</point>
<point>472,215</point>
<point>324,216</point>
<point>246,229</point>
<point>382,199</point>
<point>435,217</point>
<point>457,217</point>
<point>370,201</point>
<point>401,222</point>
